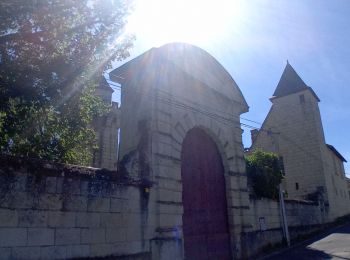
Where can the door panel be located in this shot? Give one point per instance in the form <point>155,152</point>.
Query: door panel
<point>205,223</point>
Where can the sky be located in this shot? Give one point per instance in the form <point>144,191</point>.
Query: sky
<point>253,41</point>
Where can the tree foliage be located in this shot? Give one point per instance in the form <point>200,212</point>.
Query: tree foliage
<point>264,173</point>
<point>52,56</point>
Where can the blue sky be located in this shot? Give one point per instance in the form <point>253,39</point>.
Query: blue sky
<point>253,40</point>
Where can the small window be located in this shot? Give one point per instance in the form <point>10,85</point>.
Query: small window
<point>302,99</point>
<point>296,186</point>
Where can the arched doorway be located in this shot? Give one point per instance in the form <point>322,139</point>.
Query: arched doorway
<point>205,222</point>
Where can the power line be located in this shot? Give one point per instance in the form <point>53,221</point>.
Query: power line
<point>208,111</point>
<point>217,117</point>
<point>181,105</point>
<point>204,110</point>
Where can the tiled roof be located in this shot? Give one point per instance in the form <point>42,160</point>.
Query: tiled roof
<point>289,83</point>
<point>331,147</point>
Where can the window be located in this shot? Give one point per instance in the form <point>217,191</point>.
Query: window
<point>302,99</point>
<point>296,186</point>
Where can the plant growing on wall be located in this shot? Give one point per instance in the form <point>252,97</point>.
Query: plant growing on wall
<point>264,173</point>
<point>52,56</point>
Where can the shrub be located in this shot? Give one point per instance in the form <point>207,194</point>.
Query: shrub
<point>264,173</point>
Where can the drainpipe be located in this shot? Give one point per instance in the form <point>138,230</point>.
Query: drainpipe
<point>284,217</point>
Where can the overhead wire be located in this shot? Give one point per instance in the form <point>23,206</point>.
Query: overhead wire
<point>171,99</point>
<point>198,107</point>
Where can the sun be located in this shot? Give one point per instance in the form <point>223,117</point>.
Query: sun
<point>192,21</point>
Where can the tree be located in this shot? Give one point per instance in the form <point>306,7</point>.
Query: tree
<point>264,173</point>
<point>52,56</point>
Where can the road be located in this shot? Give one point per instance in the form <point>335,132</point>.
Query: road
<point>334,244</point>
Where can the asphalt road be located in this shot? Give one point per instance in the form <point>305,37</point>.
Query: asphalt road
<point>334,244</point>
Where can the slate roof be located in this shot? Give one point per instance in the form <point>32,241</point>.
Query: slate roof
<point>290,83</point>
<point>331,147</point>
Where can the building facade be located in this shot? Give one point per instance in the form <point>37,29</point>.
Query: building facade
<point>181,145</point>
<point>293,129</point>
<point>173,136</point>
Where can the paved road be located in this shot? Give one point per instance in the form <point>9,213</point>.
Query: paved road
<point>334,244</point>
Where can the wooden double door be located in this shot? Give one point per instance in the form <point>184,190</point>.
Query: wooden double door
<point>205,220</point>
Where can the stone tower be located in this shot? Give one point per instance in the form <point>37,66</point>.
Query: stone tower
<point>293,129</point>
<point>107,129</point>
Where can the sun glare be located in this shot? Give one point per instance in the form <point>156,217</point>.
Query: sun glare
<point>192,21</point>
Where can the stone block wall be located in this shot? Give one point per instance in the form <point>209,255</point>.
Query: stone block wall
<point>336,184</point>
<point>107,128</point>
<point>294,131</point>
<point>265,215</point>
<point>51,211</point>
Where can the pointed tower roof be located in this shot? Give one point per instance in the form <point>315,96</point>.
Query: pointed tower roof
<point>289,83</point>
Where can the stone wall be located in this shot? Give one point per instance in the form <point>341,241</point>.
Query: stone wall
<point>293,129</point>
<point>60,211</point>
<point>107,127</point>
<point>265,217</point>
<point>164,96</point>
<point>52,211</point>
<point>336,184</point>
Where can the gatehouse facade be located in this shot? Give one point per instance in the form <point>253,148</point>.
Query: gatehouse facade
<point>180,130</point>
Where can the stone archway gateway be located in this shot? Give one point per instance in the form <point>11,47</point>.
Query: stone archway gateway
<point>205,220</point>
<point>170,94</point>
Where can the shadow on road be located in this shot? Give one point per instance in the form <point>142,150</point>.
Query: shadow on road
<point>333,244</point>
<point>305,254</point>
